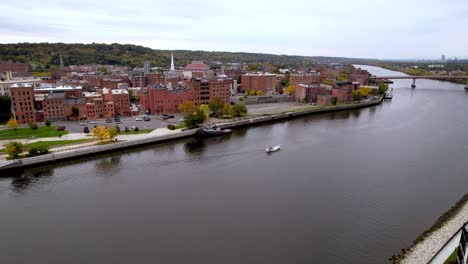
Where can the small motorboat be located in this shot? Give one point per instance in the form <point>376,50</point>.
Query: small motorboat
<point>272,149</point>
<point>213,131</point>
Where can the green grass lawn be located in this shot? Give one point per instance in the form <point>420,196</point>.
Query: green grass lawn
<point>51,144</point>
<point>132,132</point>
<point>28,133</point>
<point>452,259</point>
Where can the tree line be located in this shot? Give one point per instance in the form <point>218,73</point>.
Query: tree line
<point>46,56</point>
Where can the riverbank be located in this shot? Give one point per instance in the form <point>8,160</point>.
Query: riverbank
<point>163,135</point>
<point>431,241</point>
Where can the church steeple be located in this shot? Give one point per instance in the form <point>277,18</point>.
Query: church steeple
<point>172,62</point>
<point>62,66</point>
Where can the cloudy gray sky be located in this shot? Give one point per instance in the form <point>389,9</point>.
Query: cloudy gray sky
<point>350,28</point>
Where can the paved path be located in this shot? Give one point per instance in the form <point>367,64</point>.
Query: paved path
<point>423,251</point>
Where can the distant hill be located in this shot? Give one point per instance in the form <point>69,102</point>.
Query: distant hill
<point>44,56</point>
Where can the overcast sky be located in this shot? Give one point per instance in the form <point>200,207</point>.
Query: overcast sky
<point>388,29</point>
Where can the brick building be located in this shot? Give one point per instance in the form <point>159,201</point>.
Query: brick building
<point>343,96</point>
<point>52,106</point>
<point>15,67</point>
<point>306,78</point>
<point>22,98</point>
<point>159,99</point>
<point>196,69</point>
<point>120,99</point>
<point>259,82</point>
<point>205,89</point>
<point>324,99</point>
<point>309,92</point>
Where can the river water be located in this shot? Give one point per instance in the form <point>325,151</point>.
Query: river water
<point>347,187</point>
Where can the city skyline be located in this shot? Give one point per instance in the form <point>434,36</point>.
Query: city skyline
<point>361,29</point>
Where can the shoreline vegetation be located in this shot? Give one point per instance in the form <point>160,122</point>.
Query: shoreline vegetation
<point>440,223</point>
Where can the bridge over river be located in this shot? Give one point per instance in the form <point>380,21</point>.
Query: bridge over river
<point>430,77</point>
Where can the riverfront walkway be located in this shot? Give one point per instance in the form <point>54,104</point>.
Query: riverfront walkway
<point>423,251</point>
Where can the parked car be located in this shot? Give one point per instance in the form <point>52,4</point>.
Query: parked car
<point>83,124</point>
<point>61,128</point>
<point>138,119</point>
<point>94,122</point>
<point>182,120</point>
<point>146,118</point>
<point>108,120</point>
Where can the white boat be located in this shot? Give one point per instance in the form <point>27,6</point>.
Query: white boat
<point>388,95</point>
<point>273,149</point>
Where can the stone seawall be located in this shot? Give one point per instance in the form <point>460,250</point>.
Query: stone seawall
<point>92,150</point>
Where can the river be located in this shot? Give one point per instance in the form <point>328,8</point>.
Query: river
<point>347,187</point>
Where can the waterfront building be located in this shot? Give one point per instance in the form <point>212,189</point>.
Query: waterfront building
<point>160,99</point>
<point>52,106</point>
<point>120,99</point>
<point>264,82</point>
<point>22,100</point>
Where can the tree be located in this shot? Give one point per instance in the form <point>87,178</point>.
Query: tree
<point>13,149</point>
<point>33,125</point>
<point>12,123</point>
<point>227,109</point>
<point>5,108</point>
<point>216,104</point>
<point>239,110</point>
<point>205,110</point>
<point>101,132</point>
<point>48,123</point>
<point>333,100</point>
<point>186,107</point>
<point>75,111</point>
<point>260,93</point>
<point>356,95</point>
<point>382,88</point>
<point>195,118</point>
<point>290,89</point>
<point>112,132</point>
<point>252,92</point>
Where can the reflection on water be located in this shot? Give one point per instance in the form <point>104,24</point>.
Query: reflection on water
<point>108,164</point>
<point>30,177</point>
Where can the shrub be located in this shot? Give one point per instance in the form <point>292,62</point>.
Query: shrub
<point>239,110</point>
<point>136,129</point>
<point>356,95</point>
<point>13,149</point>
<point>260,93</point>
<point>382,88</point>
<point>86,130</point>
<point>241,99</point>
<point>33,125</point>
<point>48,123</point>
<point>39,150</point>
<point>171,127</point>
<point>252,92</point>
<point>117,128</point>
<point>333,100</point>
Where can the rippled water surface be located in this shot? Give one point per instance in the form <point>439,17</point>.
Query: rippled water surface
<point>347,187</point>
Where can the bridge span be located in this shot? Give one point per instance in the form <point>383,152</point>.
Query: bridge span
<point>431,77</point>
